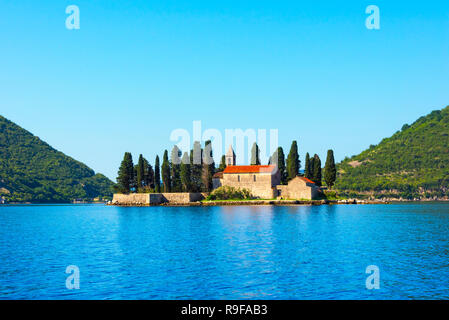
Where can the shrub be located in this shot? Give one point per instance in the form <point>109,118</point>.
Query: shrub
<point>330,195</point>
<point>230,193</point>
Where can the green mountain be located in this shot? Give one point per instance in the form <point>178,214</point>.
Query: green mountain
<point>412,164</point>
<point>32,171</point>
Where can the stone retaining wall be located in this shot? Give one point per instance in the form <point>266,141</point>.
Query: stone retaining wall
<point>142,199</point>
<point>131,199</point>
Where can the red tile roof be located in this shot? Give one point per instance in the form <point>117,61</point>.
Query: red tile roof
<point>250,169</point>
<point>218,175</point>
<point>306,180</point>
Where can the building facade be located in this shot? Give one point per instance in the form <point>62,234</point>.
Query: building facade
<point>299,188</point>
<point>263,181</point>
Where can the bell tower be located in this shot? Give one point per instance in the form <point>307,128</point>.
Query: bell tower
<point>230,157</point>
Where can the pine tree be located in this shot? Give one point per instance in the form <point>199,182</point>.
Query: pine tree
<point>185,173</point>
<point>140,174</point>
<point>316,175</point>
<point>125,178</point>
<point>307,169</point>
<point>208,167</point>
<point>196,167</point>
<point>165,170</point>
<point>278,158</point>
<point>157,176</point>
<point>255,155</point>
<point>330,171</point>
<point>176,169</point>
<point>222,166</point>
<point>293,163</point>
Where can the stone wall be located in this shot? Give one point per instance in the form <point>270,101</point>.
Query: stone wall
<point>298,189</point>
<point>260,184</point>
<point>156,198</point>
<point>182,198</point>
<point>217,183</point>
<point>282,192</point>
<point>131,199</point>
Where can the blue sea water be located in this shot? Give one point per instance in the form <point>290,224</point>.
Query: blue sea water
<point>301,252</point>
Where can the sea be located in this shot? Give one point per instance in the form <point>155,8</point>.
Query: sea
<point>362,252</point>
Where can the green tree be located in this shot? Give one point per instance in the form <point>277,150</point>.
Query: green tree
<point>330,171</point>
<point>148,176</point>
<point>293,163</point>
<point>165,170</point>
<point>157,176</point>
<point>196,167</point>
<point>278,159</point>
<point>222,165</point>
<point>308,167</point>
<point>140,174</point>
<point>185,173</point>
<point>208,167</point>
<point>125,178</point>
<point>316,175</point>
<point>176,169</point>
<point>255,155</point>
<point>32,171</point>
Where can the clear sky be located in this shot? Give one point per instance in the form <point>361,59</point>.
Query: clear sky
<point>136,70</point>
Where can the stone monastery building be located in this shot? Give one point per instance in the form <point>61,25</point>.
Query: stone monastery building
<point>263,181</point>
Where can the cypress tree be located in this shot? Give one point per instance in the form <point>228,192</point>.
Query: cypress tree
<point>157,176</point>
<point>316,170</point>
<point>311,166</point>
<point>165,170</point>
<point>208,167</point>
<point>307,169</point>
<point>293,163</point>
<point>330,171</point>
<point>148,176</point>
<point>222,166</point>
<point>140,174</point>
<point>255,155</point>
<point>176,169</point>
<point>125,178</point>
<point>278,159</point>
<point>185,173</point>
<point>196,167</point>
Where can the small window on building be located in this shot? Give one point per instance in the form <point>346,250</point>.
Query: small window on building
<point>254,177</point>
<point>238,178</point>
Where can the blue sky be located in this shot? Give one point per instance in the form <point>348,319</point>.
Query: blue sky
<point>136,70</point>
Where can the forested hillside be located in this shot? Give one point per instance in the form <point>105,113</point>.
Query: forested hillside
<point>412,164</point>
<point>32,171</point>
